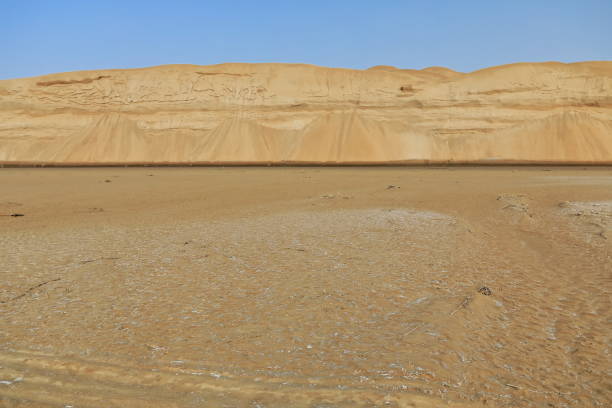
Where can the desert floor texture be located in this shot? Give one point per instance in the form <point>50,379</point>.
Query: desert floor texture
<point>306,287</point>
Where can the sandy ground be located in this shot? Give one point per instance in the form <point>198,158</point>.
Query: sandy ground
<point>305,287</point>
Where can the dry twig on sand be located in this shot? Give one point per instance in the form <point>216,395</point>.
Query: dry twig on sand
<point>30,290</point>
<point>99,259</point>
<point>463,304</point>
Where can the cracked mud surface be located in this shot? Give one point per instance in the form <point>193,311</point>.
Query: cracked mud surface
<point>307,287</point>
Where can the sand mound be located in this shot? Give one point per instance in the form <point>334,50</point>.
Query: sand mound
<point>272,113</point>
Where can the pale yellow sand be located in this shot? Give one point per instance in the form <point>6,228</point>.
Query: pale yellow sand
<point>305,287</point>
<point>271,113</point>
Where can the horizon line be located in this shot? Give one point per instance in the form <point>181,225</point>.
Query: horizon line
<point>373,67</point>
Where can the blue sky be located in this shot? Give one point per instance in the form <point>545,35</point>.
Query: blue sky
<point>39,37</point>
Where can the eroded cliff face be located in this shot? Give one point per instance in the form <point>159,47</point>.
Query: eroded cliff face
<point>272,113</point>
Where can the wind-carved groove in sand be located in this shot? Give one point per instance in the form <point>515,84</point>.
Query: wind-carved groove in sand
<point>57,380</point>
<point>72,81</point>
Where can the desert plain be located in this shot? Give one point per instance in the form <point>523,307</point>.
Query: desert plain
<point>306,287</point>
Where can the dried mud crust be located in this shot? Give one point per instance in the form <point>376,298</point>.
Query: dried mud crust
<point>516,208</point>
<point>376,306</point>
<point>334,296</point>
<point>592,221</point>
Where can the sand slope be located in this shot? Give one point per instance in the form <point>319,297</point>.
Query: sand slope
<point>269,113</point>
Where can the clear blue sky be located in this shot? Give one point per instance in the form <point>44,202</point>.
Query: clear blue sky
<point>38,37</point>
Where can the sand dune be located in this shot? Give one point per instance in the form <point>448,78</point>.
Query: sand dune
<point>271,113</point>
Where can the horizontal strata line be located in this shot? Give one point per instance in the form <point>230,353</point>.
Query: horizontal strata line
<point>416,105</point>
<point>290,163</point>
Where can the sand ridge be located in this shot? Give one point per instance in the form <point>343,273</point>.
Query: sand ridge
<point>297,113</point>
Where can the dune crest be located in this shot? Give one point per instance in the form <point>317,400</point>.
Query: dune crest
<point>297,113</point>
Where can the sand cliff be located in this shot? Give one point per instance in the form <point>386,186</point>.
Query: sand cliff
<point>274,113</point>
